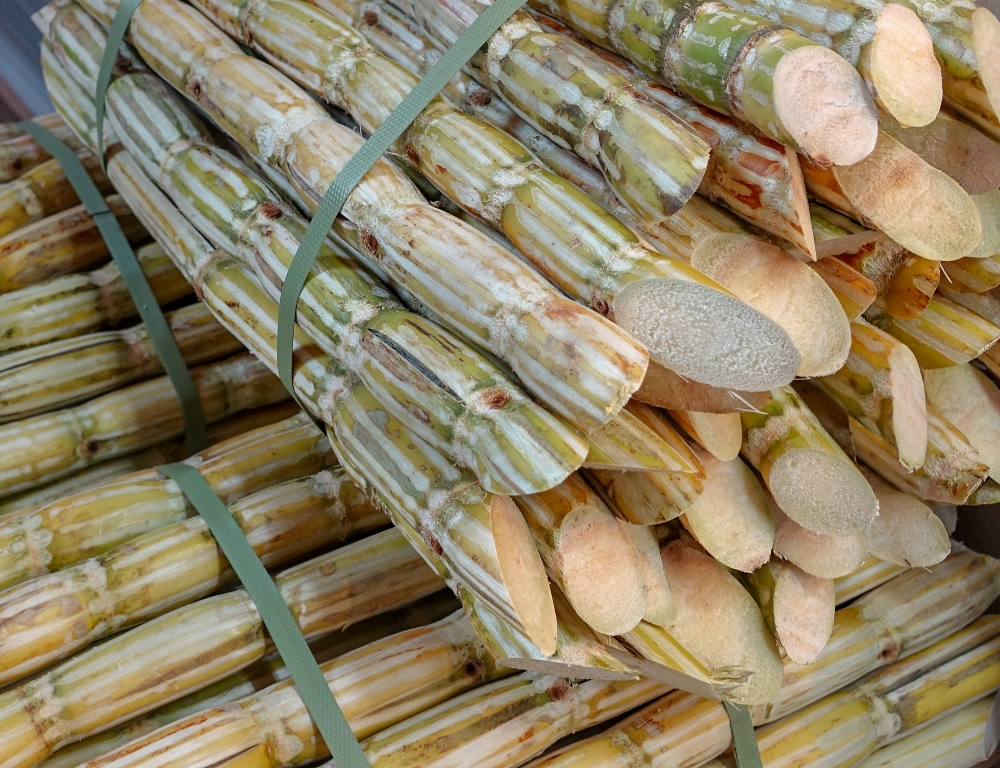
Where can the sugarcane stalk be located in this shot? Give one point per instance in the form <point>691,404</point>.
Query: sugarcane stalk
<point>72,305</point>
<point>960,740</point>
<point>855,292</point>
<point>823,555</point>
<point>470,299</point>
<point>881,387</point>
<point>721,434</point>
<point>873,573</point>
<point>19,152</point>
<point>626,444</point>
<point>66,372</point>
<point>674,45</point>
<point>66,242</point>
<point>50,446</point>
<point>965,153</point>
<point>967,398</point>
<point>905,282</point>
<point>170,567</point>
<point>972,275</point>
<point>797,607</point>
<point>731,519</point>
<point>89,523</point>
<point>951,472</point>
<point>986,304</point>
<point>921,208</point>
<point>507,188</point>
<point>199,644</point>
<point>966,42</point>
<point>588,555</point>
<point>809,475</point>
<point>906,531</point>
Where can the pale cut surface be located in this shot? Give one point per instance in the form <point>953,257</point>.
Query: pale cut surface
<point>918,206</point>
<point>800,202</point>
<point>665,389</point>
<point>825,106</point>
<point>523,574</point>
<point>819,554</point>
<point>721,434</point>
<point>965,153</point>
<point>722,341</point>
<point>803,607</point>
<point>603,575</point>
<point>731,518</point>
<point>660,607</point>
<point>903,68</point>
<point>720,624</point>
<point>785,290</point>
<point>822,492</point>
<point>948,515</point>
<point>906,531</point>
<point>988,205</point>
<point>967,398</point>
<point>909,407</point>
<point>986,40</point>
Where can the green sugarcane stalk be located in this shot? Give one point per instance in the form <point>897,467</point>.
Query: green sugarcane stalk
<point>65,372</point>
<point>473,294</point>
<point>72,305</point>
<point>873,573</point>
<point>19,152</point>
<point>196,645</point>
<point>52,617</point>
<point>89,523</point>
<point>493,176</point>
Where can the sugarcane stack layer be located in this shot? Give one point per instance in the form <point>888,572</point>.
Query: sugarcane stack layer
<point>663,339</point>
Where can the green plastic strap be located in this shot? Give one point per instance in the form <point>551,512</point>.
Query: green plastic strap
<point>149,309</point>
<point>470,41</point>
<point>119,26</point>
<point>284,631</point>
<point>747,752</point>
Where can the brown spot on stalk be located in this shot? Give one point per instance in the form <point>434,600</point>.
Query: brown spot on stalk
<point>370,18</point>
<point>194,90</point>
<point>480,98</point>
<point>434,544</point>
<point>559,690</point>
<point>760,165</point>
<point>888,653</point>
<point>271,210</point>
<point>473,669</point>
<point>90,447</point>
<point>328,569</point>
<point>600,306</point>
<point>411,155</point>
<point>495,398</point>
<point>369,241</point>
<point>441,169</point>
<point>248,37</point>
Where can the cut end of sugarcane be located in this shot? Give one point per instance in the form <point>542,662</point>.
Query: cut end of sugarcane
<point>986,41</point>
<point>921,208</point>
<point>706,335</point>
<point>906,532</point>
<point>909,407</point>
<point>665,389</point>
<point>988,205</point>
<point>602,574</point>
<point>803,608</point>
<point>523,574</point>
<point>800,204</point>
<point>822,492</point>
<point>785,290</point>
<point>825,106</point>
<point>903,68</point>
<point>721,434</point>
<point>818,554</point>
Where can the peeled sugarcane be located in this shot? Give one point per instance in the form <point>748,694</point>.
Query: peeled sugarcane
<point>951,472</point>
<point>42,192</point>
<point>721,434</point>
<point>966,41</point>
<point>881,387</point>
<point>945,334</point>
<point>61,373</point>
<point>194,646</point>
<point>797,607</point>
<point>63,243</point>
<point>588,555</point>
<point>89,523</point>
<point>19,152</point>
<point>904,282</point>
<point>545,216</point>
<point>824,555</point>
<point>855,292</point>
<point>924,210</point>
<point>52,617</point>
<point>906,531</point>
<point>963,739</point>
<point>46,447</point>
<point>682,730</point>
<point>72,305</point>
<point>872,574</point>
<point>968,399</point>
<point>955,147</point>
<point>811,478</point>
<point>647,498</point>
<point>731,518</point>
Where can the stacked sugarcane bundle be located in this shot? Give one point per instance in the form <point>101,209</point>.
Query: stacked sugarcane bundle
<point>552,341</point>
